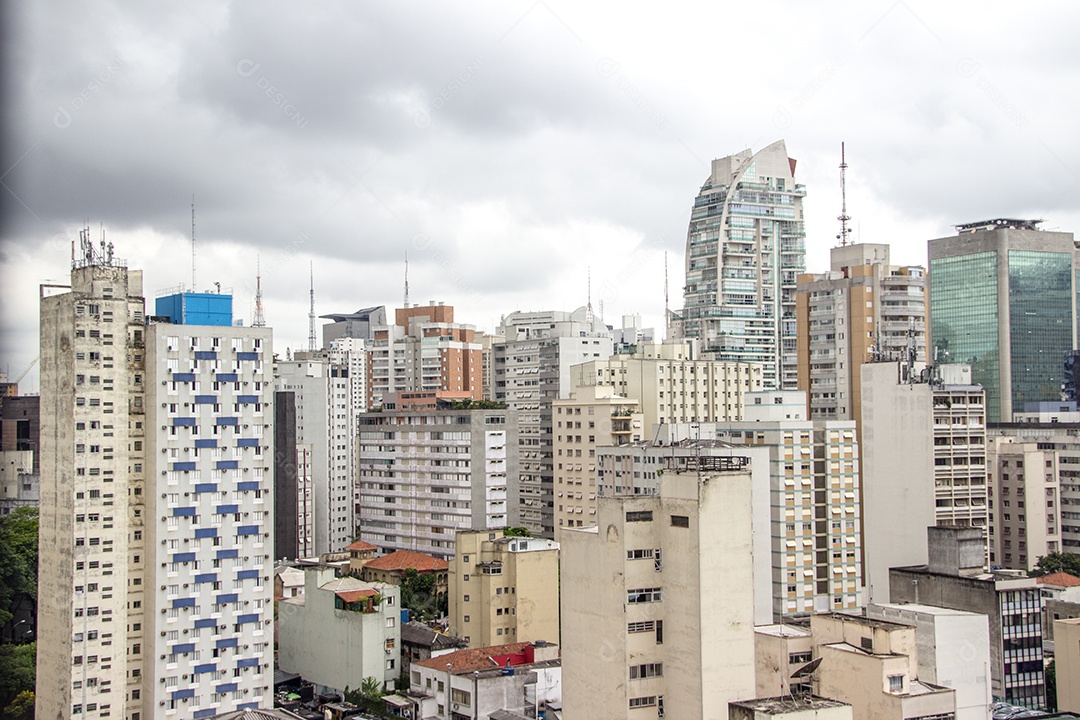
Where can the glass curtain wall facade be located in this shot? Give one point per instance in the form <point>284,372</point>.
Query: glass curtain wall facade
<point>745,247</point>
<point>1041,322</point>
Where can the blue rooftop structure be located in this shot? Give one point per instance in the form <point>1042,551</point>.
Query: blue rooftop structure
<point>190,308</point>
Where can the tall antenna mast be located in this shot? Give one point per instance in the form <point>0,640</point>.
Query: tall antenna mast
<point>259,320</point>
<point>588,295</point>
<point>844,217</point>
<point>192,243</point>
<point>406,278</point>
<point>667,311</point>
<point>311,313</point>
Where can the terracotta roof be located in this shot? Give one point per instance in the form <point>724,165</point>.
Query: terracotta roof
<point>466,661</point>
<point>351,596</point>
<point>361,545</point>
<point>1061,579</point>
<point>405,559</point>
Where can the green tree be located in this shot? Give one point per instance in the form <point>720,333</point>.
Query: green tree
<point>516,532</point>
<point>1051,685</point>
<point>22,707</point>
<point>420,594</point>
<point>18,559</point>
<point>1057,562</point>
<point>17,672</point>
<point>371,687</point>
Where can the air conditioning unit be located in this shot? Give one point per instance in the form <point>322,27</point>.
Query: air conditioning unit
<point>164,473</point>
<point>162,611</point>
<point>162,680</point>
<point>162,587</point>
<point>185,632</point>
<point>164,450</point>
<point>163,657</point>
<point>163,632</point>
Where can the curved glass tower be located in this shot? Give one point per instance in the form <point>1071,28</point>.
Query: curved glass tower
<point>745,247</point>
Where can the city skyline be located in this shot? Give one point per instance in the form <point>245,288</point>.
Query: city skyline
<point>487,143</point>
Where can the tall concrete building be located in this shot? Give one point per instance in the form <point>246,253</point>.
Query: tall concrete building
<point>658,598</point>
<point>425,350</point>
<point>592,417</point>
<point>862,309</point>
<point>745,248</point>
<point>923,463</point>
<point>1003,300</point>
<point>673,383</point>
<point>1024,481</point>
<point>504,589</point>
<point>359,325</point>
<point>426,474</point>
<point>322,409</point>
<point>138,464</point>
<point>532,368</point>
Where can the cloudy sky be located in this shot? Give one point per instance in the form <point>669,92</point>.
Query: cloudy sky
<point>505,146</point>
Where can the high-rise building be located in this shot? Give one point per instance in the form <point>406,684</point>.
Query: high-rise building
<point>1003,300</point>
<point>504,589</point>
<point>322,401</point>
<point>209,528</point>
<point>745,248</point>
<point>863,309</point>
<point>425,350</point>
<point>426,474</point>
<point>673,384</point>
<point>154,537</point>
<point>658,599</point>
<point>360,324</point>
<point>1024,481</point>
<point>532,369</point>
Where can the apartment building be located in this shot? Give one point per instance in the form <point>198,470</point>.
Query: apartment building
<point>591,418</point>
<point>504,589</point>
<point>425,475</point>
<point>674,384</point>
<point>1026,514</point>
<point>532,369</point>
<point>659,598</point>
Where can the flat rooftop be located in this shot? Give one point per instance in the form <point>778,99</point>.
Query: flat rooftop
<point>782,630</point>
<point>781,705</point>
<point>925,609</point>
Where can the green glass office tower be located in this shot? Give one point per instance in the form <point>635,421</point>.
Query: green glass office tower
<point>745,247</point>
<point>1003,299</point>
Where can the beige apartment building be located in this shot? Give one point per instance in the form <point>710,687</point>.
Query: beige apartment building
<point>673,384</point>
<point>1067,633</point>
<point>1026,514</point>
<point>659,598</point>
<point>593,417</point>
<point>504,589</point>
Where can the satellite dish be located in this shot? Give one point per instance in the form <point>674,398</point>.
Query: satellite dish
<point>807,669</point>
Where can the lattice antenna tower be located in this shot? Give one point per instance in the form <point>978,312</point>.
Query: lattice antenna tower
<point>667,307</point>
<point>259,320</point>
<point>844,218</point>
<point>193,243</point>
<point>406,279</point>
<point>588,296</point>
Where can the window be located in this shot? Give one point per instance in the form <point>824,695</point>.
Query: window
<point>645,554</point>
<point>680,521</point>
<point>640,702</point>
<point>648,670</point>
<point>643,626</point>
<point>643,595</point>
<point>639,516</point>
<point>896,683</point>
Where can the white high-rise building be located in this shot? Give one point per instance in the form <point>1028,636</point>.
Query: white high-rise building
<point>154,601</point>
<point>322,422</point>
<point>745,247</point>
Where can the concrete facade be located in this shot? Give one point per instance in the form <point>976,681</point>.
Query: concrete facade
<point>340,631</point>
<point>659,600</point>
<point>531,369</point>
<point>953,651</point>
<point>1067,658</point>
<point>426,475</point>
<point>801,708</point>
<point>504,589</point>
<point>1024,480</point>
<point>592,417</point>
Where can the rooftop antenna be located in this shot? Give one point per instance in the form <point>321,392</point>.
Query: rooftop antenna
<point>588,305</point>
<point>667,310</point>
<point>259,320</point>
<point>844,218</point>
<point>311,312</point>
<point>193,242</point>
<point>406,279</point>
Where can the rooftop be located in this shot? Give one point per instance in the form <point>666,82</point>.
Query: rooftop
<point>782,630</point>
<point>493,658</point>
<point>866,621</point>
<point>275,714</point>
<point>361,545</point>
<point>924,609</point>
<point>781,705</point>
<point>1059,579</point>
<point>407,559</point>
<point>416,633</point>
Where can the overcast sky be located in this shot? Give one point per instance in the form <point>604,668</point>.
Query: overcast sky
<point>505,146</point>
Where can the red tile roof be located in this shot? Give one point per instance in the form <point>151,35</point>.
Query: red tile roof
<point>466,661</point>
<point>351,596</point>
<point>361,545</point>
<point>405,559</point>
<point>1061,579</point>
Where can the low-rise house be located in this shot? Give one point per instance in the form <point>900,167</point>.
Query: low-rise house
<point>288,582</point>
<point>340,631</point>
<point>392,568</point>
<point>420,642</point>
<point>359,553</point>
<point>479,683</point>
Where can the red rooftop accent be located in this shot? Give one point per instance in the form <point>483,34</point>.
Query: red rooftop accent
<point>351,596</point>
<point>361,545</point>
<point>406,559</point>
<point>485,658</point>
<point>1061,579</point>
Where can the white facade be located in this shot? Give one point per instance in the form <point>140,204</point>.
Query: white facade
<point>209,528</point>
<point>424,475</point>
<point>659,601</point>
<point>322,422</point>
<point>1026,514</point>
<point>953,651</point>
